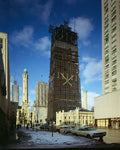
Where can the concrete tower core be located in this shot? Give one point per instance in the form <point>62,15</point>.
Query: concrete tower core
<point>85,99</point>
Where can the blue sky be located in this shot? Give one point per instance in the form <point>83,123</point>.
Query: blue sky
<point>27,23</point>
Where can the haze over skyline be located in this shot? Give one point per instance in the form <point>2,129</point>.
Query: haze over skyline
<point>27,24</point>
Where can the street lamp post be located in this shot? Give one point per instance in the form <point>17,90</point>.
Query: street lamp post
<point>31,119</point>
<point>52,127</point>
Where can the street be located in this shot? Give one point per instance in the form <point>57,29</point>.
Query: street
<point>34,139</point>
<point>112,136</point>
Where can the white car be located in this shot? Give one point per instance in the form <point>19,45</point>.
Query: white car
<point>89,132</point>
<point>63,129</point>
<point>66,129</point>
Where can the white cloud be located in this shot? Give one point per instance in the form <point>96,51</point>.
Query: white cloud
<point>32,92</point>
<point>42,10</point>
<point>88,59</point>
<point>46,12</point>
<point>26,39</point>
<point>86,43</point>
<point>35,8</point>
<point>23,37</point>
<point>81,66</point>
<point>43,44</point>
<point>83,26</point>
<point>92,69</point>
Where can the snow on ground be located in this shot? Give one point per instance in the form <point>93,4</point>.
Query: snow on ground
<point>29,138</point>
<point>46,138</point>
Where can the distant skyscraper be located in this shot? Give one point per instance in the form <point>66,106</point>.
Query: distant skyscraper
<point>40,105</point>
<point>64,83</point>
<point>111,45</point>
<point>15,92</point>
<point>42,93</point>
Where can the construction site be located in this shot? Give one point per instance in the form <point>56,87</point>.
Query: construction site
<point>64,81</point>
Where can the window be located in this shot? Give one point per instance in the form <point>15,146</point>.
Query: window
<point>112,3</point>
<point>114,72</point>
<point>106,76</point>
<point>114,81</point>
<point>106,60</point>
<point>113,35</point>
<point>106,26</point>
<point>106,8</point>
<point>113,29</point>
<point>114,62</point>
<point>106,38</point>
<point>113,19</point>
<point>114,68</point>
<point>107,66</point>
<point>106,51</point>
<point>114,56</point>
<point>114,42</point>
<point>113,13</point>
<point>107,81</point>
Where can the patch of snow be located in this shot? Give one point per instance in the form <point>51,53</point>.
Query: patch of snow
<point>46,138</point>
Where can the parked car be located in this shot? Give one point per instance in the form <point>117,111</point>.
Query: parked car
<point>58,129</point>
<point>66,128</point>
<point>45,127</point>
<point>89,132</point>
<point>63,129</point>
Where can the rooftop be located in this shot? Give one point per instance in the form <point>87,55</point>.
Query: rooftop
<point>25,71</point>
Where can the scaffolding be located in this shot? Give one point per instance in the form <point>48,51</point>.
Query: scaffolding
<point>64,82</point>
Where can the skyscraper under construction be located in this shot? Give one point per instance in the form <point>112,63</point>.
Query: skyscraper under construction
<point>64,82</point>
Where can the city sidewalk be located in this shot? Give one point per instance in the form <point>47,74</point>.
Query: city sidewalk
<point>112,136</point>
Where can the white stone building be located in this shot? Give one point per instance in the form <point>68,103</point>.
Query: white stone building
<point>78,116</point>
<point>23,114</point>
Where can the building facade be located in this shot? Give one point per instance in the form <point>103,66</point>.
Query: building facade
<point>4,86</point>
<point>64,82</point>
<point>42,94</point>
<point>107,106</point>
<point>13,111</point>
<point>15,92</point>
<point>78,116</point>
<point>110,45</point>
<point>40,106</point>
